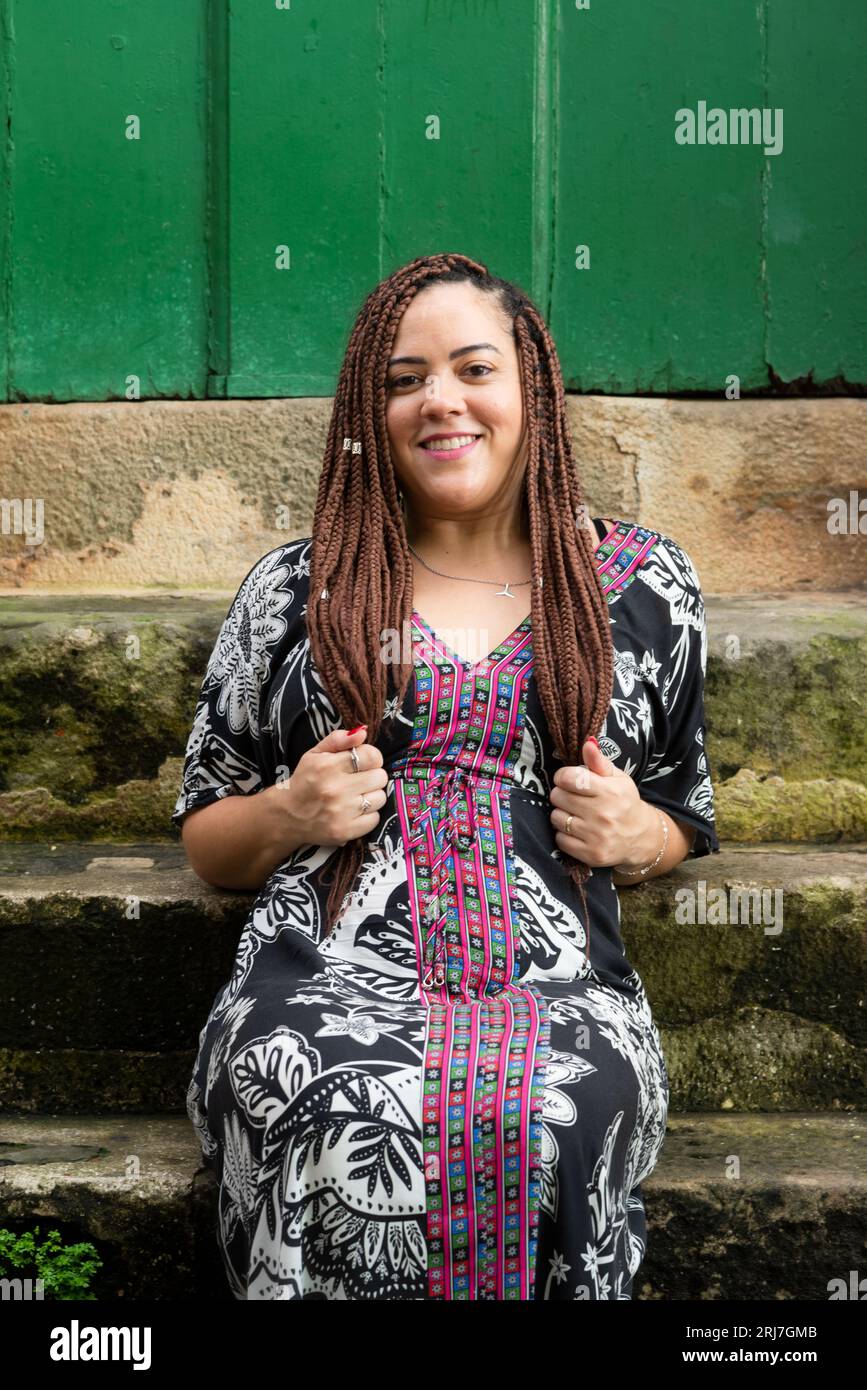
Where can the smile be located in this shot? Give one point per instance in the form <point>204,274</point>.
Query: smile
<point>456,447</point>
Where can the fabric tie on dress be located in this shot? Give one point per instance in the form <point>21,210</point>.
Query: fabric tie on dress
<point>438,824</point>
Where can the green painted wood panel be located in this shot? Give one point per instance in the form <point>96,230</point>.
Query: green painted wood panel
<point>107,270</point>
<point>305,173</point>
<point>331,156</point>
<point>467,74</point>
<point>816,320</point>
<point>5,195</point>
<point>304,124</point>
<point>672,298</point>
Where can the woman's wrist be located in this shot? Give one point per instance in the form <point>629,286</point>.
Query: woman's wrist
<point>282,833</point>
<point>238,841</point>
<point>649,846</point>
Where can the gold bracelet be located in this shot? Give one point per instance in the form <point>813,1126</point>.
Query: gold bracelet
<point>626,873</point>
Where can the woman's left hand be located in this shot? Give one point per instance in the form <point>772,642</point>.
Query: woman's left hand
<point>609,819</point>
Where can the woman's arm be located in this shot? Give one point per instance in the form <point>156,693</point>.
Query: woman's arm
<point>680,841</point>
<point>238,841</point>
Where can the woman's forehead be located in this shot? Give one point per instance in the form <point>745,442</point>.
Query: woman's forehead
<point>446,312</point>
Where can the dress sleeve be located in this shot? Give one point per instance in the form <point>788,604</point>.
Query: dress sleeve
<point>223,755</point>
<point>677,777</point>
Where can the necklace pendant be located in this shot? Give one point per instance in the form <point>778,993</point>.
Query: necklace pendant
<point>506,593</point>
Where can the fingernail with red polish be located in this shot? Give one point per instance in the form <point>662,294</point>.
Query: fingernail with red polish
<point>591,739</point>
<point>357,727</point>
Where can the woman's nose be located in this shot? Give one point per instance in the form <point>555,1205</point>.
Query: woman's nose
<point>441,395</point>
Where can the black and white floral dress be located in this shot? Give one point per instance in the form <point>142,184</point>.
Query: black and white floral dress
<point>458,1093</point>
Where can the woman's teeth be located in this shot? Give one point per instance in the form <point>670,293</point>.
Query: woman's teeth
<point>459,442</point>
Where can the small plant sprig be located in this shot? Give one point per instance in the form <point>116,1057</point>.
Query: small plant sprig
<point>65,1270</point>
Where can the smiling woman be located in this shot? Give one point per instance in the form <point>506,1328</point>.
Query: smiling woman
<point>434,1074</point>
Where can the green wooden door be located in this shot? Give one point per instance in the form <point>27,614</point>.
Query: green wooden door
<point>195,197</point>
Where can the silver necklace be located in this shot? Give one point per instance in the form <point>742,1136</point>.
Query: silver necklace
<point>505,591</point>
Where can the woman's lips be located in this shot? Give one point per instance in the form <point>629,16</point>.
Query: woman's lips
<point>448,453</point>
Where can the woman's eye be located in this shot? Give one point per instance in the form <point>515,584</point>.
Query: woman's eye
<point>410,378</point>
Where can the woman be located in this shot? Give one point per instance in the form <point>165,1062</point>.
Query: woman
<point>434,1074</point>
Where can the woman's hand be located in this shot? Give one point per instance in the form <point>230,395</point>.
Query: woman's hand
<point>610,823</point>
<point>322,799</point>
<point>238,841</point>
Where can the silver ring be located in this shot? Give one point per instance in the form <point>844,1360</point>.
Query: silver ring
<point>365,805</point>
<point>354,756</point>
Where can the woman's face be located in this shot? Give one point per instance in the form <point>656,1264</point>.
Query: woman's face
<point>454,372</point>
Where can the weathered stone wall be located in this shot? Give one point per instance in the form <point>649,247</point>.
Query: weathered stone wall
<point>191,493</point>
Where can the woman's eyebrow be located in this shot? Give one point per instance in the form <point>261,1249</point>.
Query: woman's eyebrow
<point>458,352</point>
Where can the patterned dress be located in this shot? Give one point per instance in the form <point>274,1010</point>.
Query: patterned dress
<point>458,1092</point>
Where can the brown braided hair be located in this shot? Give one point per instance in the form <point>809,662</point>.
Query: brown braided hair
<point>359,545</point>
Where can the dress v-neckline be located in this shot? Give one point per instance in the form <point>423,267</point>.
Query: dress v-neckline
<point>459,660</point>
<point>519,627</point>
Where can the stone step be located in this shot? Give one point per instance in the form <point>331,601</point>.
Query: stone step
<point>113,955</point>
<point>739,1207</point>
<point>97,694</point>
<point>756,1207</point>
<point>129,1185</point>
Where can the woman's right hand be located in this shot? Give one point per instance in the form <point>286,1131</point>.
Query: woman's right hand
<point>323,794</point>
<point>238,841</point>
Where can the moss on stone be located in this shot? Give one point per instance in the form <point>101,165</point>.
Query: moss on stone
<point>761,1059</point>
<point>793,707</point>
<point>66,1081</point>
<point>60,756</point>
<point>139,809</point>
<point>815,966</point>
<point>97,700</point>
<point>121,690</point>
<point>751,809</point>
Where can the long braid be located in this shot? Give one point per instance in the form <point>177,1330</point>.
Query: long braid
<point>359,544</point>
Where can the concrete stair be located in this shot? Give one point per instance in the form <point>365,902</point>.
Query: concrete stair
<point>738,1207</point>
<point>112,952</point>
<point>124,949</point>
<point>97,695</point>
